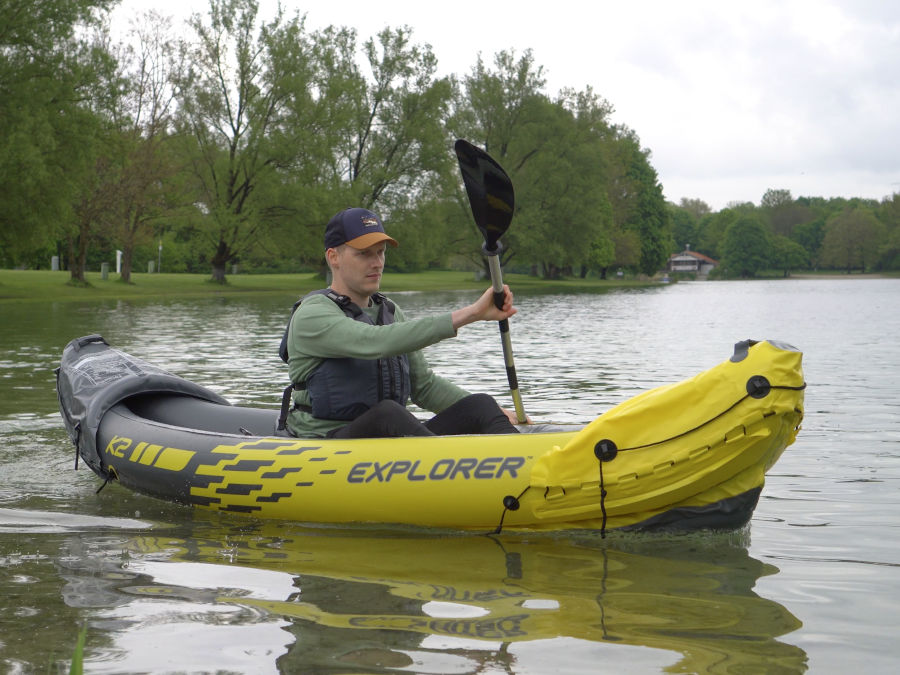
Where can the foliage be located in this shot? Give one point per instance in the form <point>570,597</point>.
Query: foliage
<point>852,239</point>
<point>746,246</point>
<point>47,133</point>
<point>787,255</point>
<point>234,145</point>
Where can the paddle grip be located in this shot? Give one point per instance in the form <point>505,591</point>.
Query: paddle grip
<point>496,279</point>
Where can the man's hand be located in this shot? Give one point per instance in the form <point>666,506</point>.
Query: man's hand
<point>484,309</point>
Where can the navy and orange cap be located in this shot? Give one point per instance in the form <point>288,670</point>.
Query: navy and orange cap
<point>356,227</point>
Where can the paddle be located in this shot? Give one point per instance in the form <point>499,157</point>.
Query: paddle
<point>492,200</point>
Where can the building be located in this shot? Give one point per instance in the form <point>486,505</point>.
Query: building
<point>690,262</point>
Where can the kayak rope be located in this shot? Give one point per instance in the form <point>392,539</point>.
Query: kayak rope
<point>604,633</point>
<point>510,503</point>
<point>78,437</point>
<point>604,451</point>
<point>110,475</point>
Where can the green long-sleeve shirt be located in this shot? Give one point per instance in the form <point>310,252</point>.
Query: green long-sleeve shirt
<point>319,330</point>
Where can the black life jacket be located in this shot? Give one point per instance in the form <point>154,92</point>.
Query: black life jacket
<point>343,389</point>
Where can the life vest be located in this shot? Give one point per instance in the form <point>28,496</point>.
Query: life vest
<point>343,389</point>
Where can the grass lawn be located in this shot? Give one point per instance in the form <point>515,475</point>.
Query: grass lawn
<point>41,285</point>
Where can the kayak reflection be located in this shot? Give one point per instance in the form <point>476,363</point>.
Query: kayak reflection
<point>691,595</point>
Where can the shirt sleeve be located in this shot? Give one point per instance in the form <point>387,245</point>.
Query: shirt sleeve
<point>321,330</point>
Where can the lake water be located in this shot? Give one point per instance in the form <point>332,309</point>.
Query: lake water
<point>813,583</point>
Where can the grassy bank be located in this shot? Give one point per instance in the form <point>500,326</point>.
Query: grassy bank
<point>40,285</point>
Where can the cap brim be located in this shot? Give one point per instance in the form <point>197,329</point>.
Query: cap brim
<point>367,240</point>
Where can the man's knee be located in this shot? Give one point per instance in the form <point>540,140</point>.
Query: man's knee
<point>389,407</point>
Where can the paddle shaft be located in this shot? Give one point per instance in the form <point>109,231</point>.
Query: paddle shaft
<point>497,284</point>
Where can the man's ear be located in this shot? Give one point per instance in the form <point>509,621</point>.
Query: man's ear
<point>331,256</point>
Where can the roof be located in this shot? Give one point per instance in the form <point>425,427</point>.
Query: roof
<point>694,254</point>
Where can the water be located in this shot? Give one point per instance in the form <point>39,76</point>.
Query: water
<point>812,584</point>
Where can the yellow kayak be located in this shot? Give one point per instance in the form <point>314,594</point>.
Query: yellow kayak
<point>682,456</point>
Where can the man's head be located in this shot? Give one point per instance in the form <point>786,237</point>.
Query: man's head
<point>356,227</point>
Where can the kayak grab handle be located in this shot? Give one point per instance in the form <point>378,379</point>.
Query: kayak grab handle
<point>88,340</point>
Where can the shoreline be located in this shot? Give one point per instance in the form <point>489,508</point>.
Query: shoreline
<point>842,275</point>
<point>18,286</point>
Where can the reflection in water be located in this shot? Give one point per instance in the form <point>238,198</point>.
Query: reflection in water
<point>445,604</point>
<point>198,595</point>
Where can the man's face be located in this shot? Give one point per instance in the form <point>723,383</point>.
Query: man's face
<point>358,270</point>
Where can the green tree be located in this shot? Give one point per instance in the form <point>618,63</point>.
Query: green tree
<point>647,215</point>
<point>788,255</point>
<point>684,227</point>
<point>781,212</point>
<point>810,236</point>
<point>94,188</point>
<point>148,188</point>
<point>494,108</point>
<point>696,207</point>
<point>889,215</point>
<point>393,148</point>
<point>397,137</point>
<point>746,246</point>
<point>240,82</point>
<point>852,239</point>
<point>46,73</point>
<point>561,210</point>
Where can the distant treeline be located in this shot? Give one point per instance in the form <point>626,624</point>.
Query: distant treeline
<point>234,142</point>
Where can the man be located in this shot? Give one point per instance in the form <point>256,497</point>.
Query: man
<point>355,361</point>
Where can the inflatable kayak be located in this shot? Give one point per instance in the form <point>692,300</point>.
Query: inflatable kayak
<point>682,456</point>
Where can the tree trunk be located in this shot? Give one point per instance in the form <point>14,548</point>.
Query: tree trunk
<point>218,272</point>
<point>125,274</point>
<point>219,262</point>
<point>78,246</point>
<point>128,248</point>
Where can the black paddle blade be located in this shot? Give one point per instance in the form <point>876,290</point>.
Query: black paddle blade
<point>490,192</point>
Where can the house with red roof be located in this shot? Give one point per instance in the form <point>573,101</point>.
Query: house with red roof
<point>690,262</point>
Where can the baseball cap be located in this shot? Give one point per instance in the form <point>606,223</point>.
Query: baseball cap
<point>356,227</point>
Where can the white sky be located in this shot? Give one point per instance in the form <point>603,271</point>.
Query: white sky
<point>731,97</point>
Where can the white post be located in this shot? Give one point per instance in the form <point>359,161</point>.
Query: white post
<point>118,261</point>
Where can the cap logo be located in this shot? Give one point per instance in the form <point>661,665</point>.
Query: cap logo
<point>368,221</point>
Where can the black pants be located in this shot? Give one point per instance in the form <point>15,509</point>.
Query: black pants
<point>474,414</point>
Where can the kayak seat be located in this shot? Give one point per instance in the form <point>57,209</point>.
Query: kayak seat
<point>190,412</point>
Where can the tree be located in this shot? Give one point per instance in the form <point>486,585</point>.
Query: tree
<point>45,131</point>
<point>889,214</point>
<point>782,212</point>
<point>602,254</point>
<point>396,140</point>
<point>492,105</point>
<point>810,236</point>
<point>560,207</point>
<point>495,108</point>
<point>392,146</point>
<point>852,239</point>
<point>696,207</point>
<point>788,255</point>
<point>145,187</point>
<point>648,215</point>
<point>239,83</point>
<point>94,188</point>
<point>746,246</point>
<point>684,227</point>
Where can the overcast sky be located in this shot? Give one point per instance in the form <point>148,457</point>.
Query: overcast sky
<point>731,97</point>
